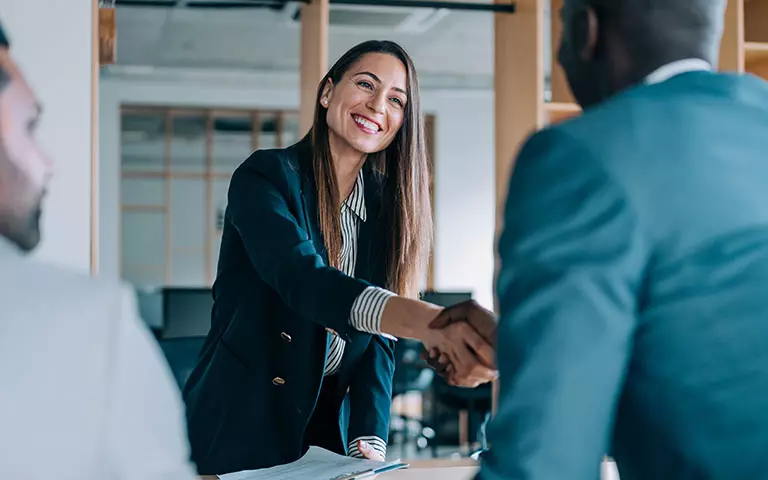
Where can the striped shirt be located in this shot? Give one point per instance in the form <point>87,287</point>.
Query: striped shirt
<point>368,307</point>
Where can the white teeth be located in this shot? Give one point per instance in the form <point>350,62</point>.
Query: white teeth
<point>367,124</point>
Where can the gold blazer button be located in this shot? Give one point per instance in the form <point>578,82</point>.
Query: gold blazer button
<point>278,381</point>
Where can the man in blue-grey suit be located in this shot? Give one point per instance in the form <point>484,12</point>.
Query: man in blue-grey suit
<point>634,282</point>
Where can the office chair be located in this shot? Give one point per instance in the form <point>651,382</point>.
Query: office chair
<point>411,375</point>
<point>466,401</point>
<point>182,355</point>
<point>471,403</point>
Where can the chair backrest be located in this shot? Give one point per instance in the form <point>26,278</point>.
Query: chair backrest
<point>446,299</point>
<point>411,373</point>
<point>186,312</point>
<point>182,356</point>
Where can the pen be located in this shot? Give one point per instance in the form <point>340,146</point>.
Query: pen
<point>373,472</point>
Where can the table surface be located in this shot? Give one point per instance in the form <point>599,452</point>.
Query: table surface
<point>443,469</point>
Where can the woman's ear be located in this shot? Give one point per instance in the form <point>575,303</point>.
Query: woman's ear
<point>325,98</point>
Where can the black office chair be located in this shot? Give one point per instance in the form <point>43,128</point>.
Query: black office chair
<point>473,405</point>
<point>475,402</point>
<point>182,355</point>
<point>411,375</point>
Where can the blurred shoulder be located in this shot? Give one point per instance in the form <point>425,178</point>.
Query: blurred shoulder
<point>52,278</point>
<point>42,292</point>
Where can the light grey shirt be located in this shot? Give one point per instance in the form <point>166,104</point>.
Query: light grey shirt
<point>85,392</point>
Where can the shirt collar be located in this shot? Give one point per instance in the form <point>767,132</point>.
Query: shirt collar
<point>356,200</point>
<point>672,69</point>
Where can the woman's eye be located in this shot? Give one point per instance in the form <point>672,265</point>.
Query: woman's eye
<point>365,84</point>
<point>397,101</point>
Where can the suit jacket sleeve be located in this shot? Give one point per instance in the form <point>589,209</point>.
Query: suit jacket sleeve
<point>145,428</point>
<point>371,395</point>
<point>280,250</point>
<point>572,258</point>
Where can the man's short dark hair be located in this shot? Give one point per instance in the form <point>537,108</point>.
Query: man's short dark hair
<point>5,78</point>
<point>3,38</point>
<point>658,25</point>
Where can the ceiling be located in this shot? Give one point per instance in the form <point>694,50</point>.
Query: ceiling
<point>456,45</point>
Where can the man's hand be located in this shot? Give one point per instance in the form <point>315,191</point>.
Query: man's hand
<point>464,333</point>
<point>483,325</point>
<point>482,320</point>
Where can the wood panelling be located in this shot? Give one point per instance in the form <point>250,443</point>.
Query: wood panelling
<point>732,44</point>
<point>314,57</point>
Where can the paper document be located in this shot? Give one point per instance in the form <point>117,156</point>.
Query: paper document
<point>318,464</point>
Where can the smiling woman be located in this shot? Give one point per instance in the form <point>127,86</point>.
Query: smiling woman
<point>369,111</point>
<point>324,245</point>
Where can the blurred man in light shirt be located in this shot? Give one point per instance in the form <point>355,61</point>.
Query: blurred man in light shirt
<point>84,390</point>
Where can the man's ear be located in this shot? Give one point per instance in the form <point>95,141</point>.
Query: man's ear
<point>585,33</point>
<point>326,97</point>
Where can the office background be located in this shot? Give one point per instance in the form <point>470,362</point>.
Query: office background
<point>194,91</point>
<point>188,80</point>
<point>223,58</point>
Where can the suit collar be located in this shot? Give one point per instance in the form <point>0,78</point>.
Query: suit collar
<point>365,197</point>
<point>369,240</point>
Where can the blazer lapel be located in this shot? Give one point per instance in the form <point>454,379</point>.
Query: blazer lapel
<point>370,252</point>
<point>369,246</point>
<point>309,197</point>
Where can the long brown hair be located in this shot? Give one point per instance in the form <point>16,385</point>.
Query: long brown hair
<point>406,198</point>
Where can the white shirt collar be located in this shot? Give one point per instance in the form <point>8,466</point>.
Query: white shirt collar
<point>672,69</point>
<point>356,200</point>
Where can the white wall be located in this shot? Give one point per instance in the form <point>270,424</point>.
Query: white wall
<point>464,192</point>
<point>464,164</point>
<point>52,45</point>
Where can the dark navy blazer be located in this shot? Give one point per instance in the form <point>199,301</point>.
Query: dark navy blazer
<point>258,397</point>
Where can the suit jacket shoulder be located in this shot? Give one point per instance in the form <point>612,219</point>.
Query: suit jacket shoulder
<point>281,166</point>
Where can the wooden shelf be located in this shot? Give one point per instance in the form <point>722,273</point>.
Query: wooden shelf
<point>175,175</point>
<point>559,111</point>
<point>756,52</point>
<point>144,208</point>
<point>143,268</point>
<point>756,58</point>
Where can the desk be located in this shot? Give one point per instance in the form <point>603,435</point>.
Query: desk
<point>442,469</point>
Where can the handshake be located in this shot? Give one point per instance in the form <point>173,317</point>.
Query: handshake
<point>462,345</point>
<point>460,341</point>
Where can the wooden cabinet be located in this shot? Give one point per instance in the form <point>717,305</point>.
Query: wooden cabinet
<point>755,37</point>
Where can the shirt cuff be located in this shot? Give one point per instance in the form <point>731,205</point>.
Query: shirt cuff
<point>367,310</point>
<point>375,442</point>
